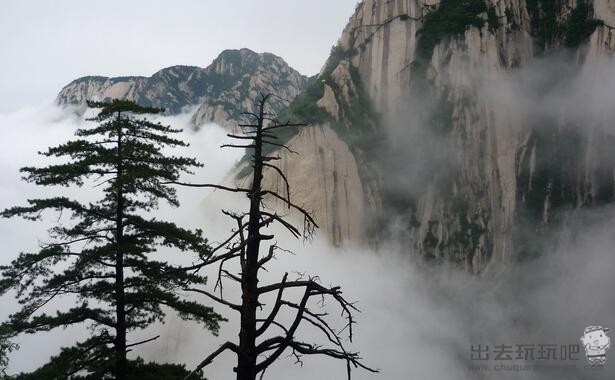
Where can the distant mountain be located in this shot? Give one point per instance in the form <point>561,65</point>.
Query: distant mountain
<point>221,91</point>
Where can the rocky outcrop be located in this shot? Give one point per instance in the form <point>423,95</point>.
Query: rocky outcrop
<point>219,92</point>
<point>332,176</point>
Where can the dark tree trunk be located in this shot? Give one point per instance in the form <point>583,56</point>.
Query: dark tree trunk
<point>244,244</point>
<point>120,307</point>
<point>246,366</point>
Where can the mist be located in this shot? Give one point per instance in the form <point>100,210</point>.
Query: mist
<point>549,298</point>
<point>417,320</point>
<point>555,91</point>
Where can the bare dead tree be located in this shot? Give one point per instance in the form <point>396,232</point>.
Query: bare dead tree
<point>264,338</point>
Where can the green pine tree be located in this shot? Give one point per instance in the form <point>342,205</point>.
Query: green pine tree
<point>6,347</point>
<point>101,256</point>
<point>64,364</point>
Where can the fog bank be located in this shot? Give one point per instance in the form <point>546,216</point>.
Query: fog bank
<point>417,321</point>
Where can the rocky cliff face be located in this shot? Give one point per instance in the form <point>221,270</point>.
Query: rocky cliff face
<point>324,177</point>
<point>440,121</point>
<point>470,178</point>
<point>219,92</point>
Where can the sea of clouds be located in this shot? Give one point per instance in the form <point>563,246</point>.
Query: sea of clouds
<point>416,321</point>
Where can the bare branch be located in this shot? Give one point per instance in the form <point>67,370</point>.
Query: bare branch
<point>220,187</point>
<point>280,146</point>
<point>282,341</point>
<point>143,341</point>
<point>215,298</point>
<point>241,137</point>
<point>270,158</point>
<point>237,146</point>
<point>250,114</point>
<point>292,205</point>
<point>269,256</point>
<point>226,346</point>
<point>283,176</point>
<point>284,125</point>
<point>293,230</point>
<point>276,307</point>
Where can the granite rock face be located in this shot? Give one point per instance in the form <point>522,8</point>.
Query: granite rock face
<point>219,92</point>
<point>466,129</point>
<point>469,177</point>
<point>323,177</point>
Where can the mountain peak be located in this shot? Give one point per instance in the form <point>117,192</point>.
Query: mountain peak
<point>221,90</point>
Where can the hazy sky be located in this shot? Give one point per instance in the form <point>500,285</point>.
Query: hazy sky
<point>46,44</point>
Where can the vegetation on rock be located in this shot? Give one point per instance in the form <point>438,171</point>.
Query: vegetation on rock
<point>548,29</point>
<point>451,18</point>
<point>580,25</point>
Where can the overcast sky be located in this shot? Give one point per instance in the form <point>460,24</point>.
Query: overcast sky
<point>46,44</point>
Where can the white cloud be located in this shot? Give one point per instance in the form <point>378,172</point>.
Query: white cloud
<point>416,321</point>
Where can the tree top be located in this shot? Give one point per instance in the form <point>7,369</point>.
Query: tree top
<point>118,105</point>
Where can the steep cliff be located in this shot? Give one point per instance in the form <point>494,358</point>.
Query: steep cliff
<point>220,92</point>
<point>461,173</point>
<point>468,129</point>
<point>323,176</point>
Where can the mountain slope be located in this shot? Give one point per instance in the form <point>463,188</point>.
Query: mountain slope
<point>220,92</point>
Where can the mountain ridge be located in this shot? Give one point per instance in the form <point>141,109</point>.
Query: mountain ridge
<point>220,91</point>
